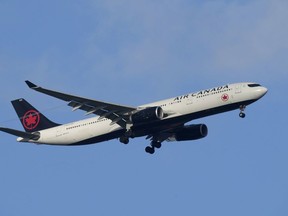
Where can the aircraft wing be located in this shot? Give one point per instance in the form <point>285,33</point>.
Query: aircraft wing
<point>116,113</point>
<point>22,134</point>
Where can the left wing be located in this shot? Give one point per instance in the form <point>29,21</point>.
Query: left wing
<point>116,113</point>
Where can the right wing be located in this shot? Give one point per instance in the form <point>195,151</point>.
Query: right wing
<point>116,113</point>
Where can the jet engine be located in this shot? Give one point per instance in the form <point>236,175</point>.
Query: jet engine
<point>149,114</point>
<point>190,132</point>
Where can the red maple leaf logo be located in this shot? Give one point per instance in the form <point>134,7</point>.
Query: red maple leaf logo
<point>225,97</point>
<point>31,119</point>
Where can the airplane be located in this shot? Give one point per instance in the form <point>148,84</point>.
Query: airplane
<point>165,120</point>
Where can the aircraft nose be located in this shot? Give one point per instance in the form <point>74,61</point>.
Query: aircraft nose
<point>262,91</point>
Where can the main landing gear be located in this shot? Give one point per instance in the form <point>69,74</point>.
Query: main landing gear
<point>124,140</point>
<point>242,114</point>
<point>151,149</point>
<point>125,137</point>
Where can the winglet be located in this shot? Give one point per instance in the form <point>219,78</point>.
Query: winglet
<point>30,84</point>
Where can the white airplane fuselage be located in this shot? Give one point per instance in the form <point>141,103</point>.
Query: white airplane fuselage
<point>179,110</point>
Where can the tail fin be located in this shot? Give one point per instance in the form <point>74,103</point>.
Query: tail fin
<point>31,119</point>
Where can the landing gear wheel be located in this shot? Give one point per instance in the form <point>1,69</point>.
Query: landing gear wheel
<point>156,144</point>
<point>150,150</point>
<point>242,115</point>
<point>124,140</point>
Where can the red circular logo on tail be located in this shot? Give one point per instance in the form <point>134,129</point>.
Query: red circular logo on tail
<point>31,119</point>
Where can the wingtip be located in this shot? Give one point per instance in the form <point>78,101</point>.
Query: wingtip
<point>30,84</point>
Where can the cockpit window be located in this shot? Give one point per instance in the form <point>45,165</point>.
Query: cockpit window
<point>254,85</point>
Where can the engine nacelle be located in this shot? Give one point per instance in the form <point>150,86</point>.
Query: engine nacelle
<point>149,114</point>
<point>190,132</point>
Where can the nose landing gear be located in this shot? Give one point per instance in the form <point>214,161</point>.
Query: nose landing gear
<point>242,114</point>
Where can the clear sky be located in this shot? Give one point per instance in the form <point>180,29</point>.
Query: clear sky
<point>131,53</point>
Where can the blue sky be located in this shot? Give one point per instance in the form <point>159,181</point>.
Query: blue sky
<point>131,53</point>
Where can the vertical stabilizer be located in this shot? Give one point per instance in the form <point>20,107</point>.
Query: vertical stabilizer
<point>31,119</point>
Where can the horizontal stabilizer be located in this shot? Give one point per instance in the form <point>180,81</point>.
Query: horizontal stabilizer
<point>25,135</point>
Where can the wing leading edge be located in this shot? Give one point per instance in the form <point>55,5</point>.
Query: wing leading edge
<point>116,113</point>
